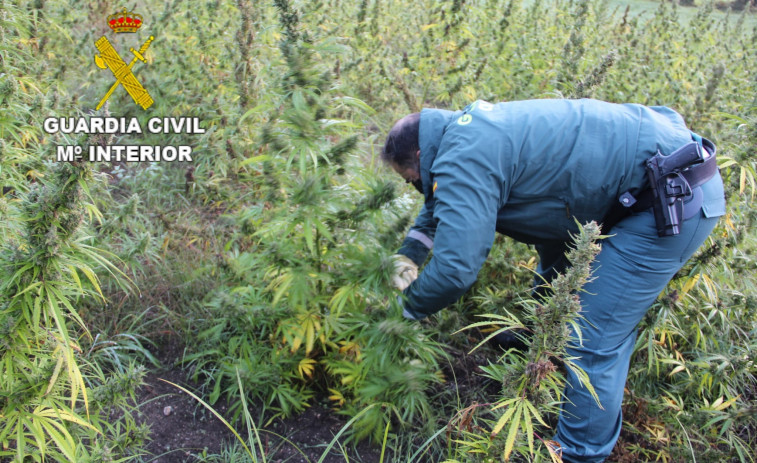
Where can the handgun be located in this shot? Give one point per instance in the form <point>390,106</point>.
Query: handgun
<point>670,187</point>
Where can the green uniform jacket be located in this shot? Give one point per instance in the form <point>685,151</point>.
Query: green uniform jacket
<point>527,169</point>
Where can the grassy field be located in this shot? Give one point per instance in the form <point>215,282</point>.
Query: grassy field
<point>646,8</point>
<point>258,275</point>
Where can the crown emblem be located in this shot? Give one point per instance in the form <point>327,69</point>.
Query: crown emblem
<point>125,21</point>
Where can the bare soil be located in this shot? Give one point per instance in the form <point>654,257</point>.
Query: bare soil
<point>182,430</point>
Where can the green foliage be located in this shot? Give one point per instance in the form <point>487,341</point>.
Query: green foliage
<point>49,401</point>
<point>308,254</point>
<point>273,248</point>
<point>313,282</point>
<point>55,400</point>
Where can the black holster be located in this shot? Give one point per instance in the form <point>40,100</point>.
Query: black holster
<point>672,180</point>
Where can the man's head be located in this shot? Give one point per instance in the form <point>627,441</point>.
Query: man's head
<point>402,150</point>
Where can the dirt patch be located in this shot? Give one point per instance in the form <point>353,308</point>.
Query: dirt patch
<point>182,430</point>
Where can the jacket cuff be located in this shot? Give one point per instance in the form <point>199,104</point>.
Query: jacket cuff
<point>406,313</point>
<point>414,249</point>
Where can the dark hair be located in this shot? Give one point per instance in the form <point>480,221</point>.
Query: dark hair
<point>402,142</point>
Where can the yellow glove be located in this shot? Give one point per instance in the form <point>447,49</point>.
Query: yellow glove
<point>405,272</point>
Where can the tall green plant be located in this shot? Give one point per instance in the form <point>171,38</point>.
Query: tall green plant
<point>313,278</point>
<point>532,383</point>
<point>47,386</point>
<point>54,397</point>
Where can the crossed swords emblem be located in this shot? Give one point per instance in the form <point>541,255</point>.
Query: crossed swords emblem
<point>109,59</point>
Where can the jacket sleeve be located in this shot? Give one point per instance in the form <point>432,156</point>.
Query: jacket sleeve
<point>467,197</point>
<point>420,238</point>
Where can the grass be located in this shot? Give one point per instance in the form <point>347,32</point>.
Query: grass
<point>644,9</point>
<point>179,249</point>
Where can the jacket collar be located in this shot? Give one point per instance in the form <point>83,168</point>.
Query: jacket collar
<point>432,126</point>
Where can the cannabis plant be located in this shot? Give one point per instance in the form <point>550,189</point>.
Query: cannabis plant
<point>313,286</point>
<point>532,383</point>
<point>55,400</point>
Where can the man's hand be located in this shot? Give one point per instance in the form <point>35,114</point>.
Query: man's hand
<point>405,272</point>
